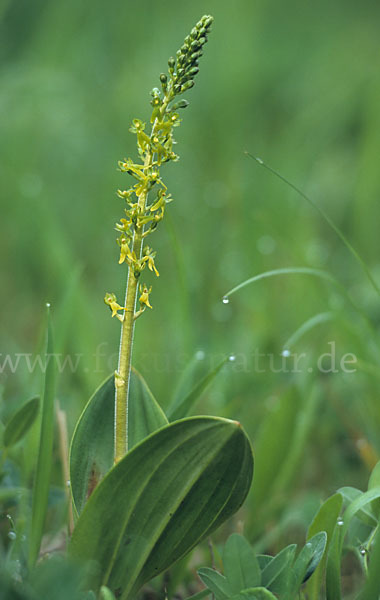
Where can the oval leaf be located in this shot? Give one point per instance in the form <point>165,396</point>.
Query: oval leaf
<point>271,573</point>
<point>216,583</point>
<point>92,446</point>
<point>169,492</point>
<point>240,564</point>
<point>306,563</point>
<point>21,422</point>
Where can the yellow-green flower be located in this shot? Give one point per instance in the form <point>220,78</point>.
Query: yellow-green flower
<point>152,266</point>
<point>125,253</point>
<point>110,300</point>
<point>144,298</point>
<point>149,256</point>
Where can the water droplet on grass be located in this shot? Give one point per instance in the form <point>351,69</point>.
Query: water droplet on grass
<point>200,355</point>
<point>285,352</point>
<point>232,357</point>
<point>225,300</point>
<point>259,160</point>
<point>340,522</point>
<point>363,551</point>
<point>12,535</point>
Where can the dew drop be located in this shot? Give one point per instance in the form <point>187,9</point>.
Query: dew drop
<point>308,545</point>
<point>363,551</point>
<point>259,160</point>
<point>285,352</point>
<point>68,483</point>
<point>12,535</point>
<point>225,300</point>
<point>47,304</point>
<point>232,357</point>
<point>200,355</point>
<point>340,522</point>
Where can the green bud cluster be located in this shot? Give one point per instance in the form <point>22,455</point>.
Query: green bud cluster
<point>185,67</point>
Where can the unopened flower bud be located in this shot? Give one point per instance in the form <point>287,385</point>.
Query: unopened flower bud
<point>193,71</point>
<point>196,55</point>
<point>171,63</point>
<point>186,86</point>
<point>180,104</point>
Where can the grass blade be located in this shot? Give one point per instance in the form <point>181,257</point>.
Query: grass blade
<point>333,585</point>
<point>328,220</point>
<point>183,407</point>
<point>45,452</point>
<point>324,520</point>
<point>306,327</point>
<point>315,273</point>
<point>286,271</point>
<point>372,587</point>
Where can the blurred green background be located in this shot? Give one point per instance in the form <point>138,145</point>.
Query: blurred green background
<point>295,83</point>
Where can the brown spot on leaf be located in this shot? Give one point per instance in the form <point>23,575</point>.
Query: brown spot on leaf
<point>93,480</point>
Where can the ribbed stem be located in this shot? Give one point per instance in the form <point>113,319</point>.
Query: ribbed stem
<point>122,376</point>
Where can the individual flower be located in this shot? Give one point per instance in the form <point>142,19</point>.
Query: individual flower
<point>125,252</point>
<point>110,300</point>
<point>144,298</point>
<point>149,256</point>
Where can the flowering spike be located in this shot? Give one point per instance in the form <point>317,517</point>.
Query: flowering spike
<point>155,148</point>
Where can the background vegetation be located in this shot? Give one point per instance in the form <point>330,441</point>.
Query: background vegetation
<point>295,83</point>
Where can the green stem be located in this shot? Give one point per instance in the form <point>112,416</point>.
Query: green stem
<point>122,375</point>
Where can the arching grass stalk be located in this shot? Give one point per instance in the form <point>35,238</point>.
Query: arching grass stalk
<point>326,217</point>
<point>314,272</point>
<point>141,219</point>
